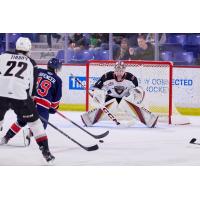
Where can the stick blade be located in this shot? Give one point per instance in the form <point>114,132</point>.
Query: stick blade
<point>92,148</point>
<point>193,140</point>
<point>102,135</point>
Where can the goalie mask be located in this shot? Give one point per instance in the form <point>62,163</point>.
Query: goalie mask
<point>119,70</point>
<point>120,67</point>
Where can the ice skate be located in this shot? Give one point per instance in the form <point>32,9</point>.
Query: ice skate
<point>4,140</point>
<point>47,155</point>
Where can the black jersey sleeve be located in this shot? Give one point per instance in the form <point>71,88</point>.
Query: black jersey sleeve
<point>35,74</point>
<point>132,78</point>
<point>58,90</point>
<point>99,84</point>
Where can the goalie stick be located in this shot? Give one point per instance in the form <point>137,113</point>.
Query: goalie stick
<point>193,141</point>
<point>94,136</point>
<point>90,148</point>
<point>104,109</point>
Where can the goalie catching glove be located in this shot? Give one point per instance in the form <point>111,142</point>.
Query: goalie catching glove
<point>136,95</point>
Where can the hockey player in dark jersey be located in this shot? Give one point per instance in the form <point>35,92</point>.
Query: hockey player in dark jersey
<point>118,89</point>
<point>47,96</point>
<point>49,89</point>
<point>17,84</point>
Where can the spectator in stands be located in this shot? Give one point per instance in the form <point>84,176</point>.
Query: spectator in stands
<point>144,51</point>
<point>94,40</point>
<point>132,38</point>
<point>78,41</point>
<point>161,38</point>
<point>97,39</point>
<point>124,50</point>
<point>49,36</point>
<point>52,35</point>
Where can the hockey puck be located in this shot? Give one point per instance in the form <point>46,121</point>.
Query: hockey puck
<point>193,140</point>
<point>101,141</point>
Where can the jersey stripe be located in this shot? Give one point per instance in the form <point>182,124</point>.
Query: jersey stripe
<point>54,104</point>
<point>42,102</point>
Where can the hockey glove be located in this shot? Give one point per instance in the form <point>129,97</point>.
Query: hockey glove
<point>136,95</point>
<point>52,111</point>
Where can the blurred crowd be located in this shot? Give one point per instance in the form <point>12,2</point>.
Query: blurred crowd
<point>125,46</point>
<point>181,48</point>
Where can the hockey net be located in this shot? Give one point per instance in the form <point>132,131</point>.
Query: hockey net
<point>155,77</point>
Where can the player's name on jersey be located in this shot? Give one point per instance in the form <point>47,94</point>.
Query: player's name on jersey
<point>50,78</point>
<point>19,57</point>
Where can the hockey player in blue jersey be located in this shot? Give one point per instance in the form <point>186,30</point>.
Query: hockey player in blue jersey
<point>49,89</point>
<point>47,97</point>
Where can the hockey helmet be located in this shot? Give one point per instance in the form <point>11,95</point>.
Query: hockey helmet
<point>119,66</point>
<point>54,63</point>
<point>23,44</point>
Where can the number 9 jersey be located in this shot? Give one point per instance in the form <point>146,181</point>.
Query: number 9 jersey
<point>16,75</point>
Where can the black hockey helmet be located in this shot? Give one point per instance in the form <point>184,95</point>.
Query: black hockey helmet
<point>54,64</point>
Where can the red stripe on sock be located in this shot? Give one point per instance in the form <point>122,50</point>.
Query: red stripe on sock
<point>15,128</point>
<point>41,139</point>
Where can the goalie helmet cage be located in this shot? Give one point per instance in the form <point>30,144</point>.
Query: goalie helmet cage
<point>155,77</point>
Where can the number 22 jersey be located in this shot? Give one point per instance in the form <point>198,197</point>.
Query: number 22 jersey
<point>16,75</point>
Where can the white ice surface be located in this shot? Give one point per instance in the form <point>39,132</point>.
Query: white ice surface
<point>164,145</point>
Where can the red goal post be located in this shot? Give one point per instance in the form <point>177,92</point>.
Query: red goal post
<point>155,77</point>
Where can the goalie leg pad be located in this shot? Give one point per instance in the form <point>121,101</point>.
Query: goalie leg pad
<point>93,116</point>
<point>98,99</point>
<point>140,113</point>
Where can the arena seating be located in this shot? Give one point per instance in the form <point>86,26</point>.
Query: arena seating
<point>179,58</point>
<point>184,48</point>
<point>83,55</point>
<point>70,55</point>
<point>166,56</point>
<point>32,36</point>
<point>100,54</point>
<point>177,39</point>
<point>184,58</point>
<point>181,48</point>
<point>193,40</point>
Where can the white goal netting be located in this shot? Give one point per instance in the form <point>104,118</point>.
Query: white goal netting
<point>155,77</point>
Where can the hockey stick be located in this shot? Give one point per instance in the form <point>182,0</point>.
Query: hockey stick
<point>90,148</point>
<point>104,109</point>
<point>193,141</point>
<point>94,136</point>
